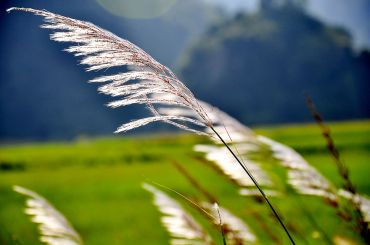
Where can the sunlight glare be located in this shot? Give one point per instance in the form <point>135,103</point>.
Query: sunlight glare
<point>137,9</point>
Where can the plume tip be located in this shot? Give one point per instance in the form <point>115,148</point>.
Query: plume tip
<point>11,9</point>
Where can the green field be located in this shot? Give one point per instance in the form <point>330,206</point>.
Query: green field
<point>96,183</point>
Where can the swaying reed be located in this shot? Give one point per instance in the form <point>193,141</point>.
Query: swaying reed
<point>342,168</point>
<point>148,82</point>
<point>360,204</point>
<point>54,228</point>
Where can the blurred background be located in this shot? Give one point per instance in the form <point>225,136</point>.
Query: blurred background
<point>255,59</point>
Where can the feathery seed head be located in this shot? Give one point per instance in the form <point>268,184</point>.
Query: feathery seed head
<point>149,82</point>
<point>53,226</point>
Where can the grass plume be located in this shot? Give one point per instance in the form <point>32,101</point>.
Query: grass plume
<point>180,224</point>
<point>54,228</point>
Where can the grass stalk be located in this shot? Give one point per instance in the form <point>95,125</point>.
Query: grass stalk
<point>343,170</point>
<point>257,185</point>
<point>221,224</point>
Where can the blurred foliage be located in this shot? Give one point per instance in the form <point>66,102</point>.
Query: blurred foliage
<point>259,67</point>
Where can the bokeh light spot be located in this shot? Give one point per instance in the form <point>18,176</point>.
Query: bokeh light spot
<point>137,9</point>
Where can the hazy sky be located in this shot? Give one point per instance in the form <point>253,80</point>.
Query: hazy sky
<point>353,15</point>
<point>236,5</point>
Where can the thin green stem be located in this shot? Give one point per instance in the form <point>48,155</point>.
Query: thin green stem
<point>221,227</point>
<point>257,185</point>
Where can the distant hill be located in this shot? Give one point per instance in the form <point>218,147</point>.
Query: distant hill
<point>258,68</point>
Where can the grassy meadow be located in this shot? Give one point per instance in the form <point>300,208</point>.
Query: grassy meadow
<point>96,184</point>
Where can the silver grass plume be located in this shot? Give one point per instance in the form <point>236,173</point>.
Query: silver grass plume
<point>149,82</point>
<point>230,129</point>
<point>54,228</point>
<point>219,156</point>
<point>237,232</point>
<point>304,178</point>
<point>144,84</point>
<point>183,228</point>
